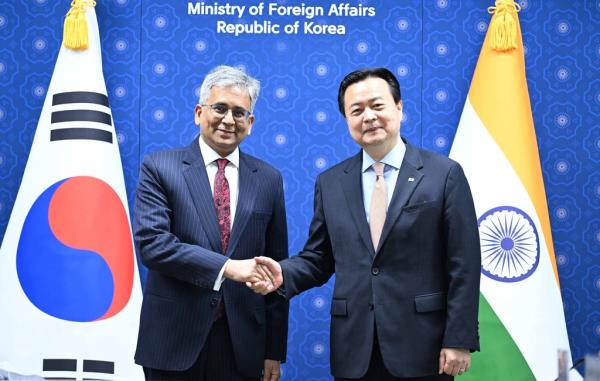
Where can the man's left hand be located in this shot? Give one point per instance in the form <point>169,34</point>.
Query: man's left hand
<point>271,371</point>
<point>455,361</point>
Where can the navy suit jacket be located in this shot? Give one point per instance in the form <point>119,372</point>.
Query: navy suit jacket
<point>177,237</point>
<point>419,290</point>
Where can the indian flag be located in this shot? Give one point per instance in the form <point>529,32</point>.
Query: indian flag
<point>522,324</point>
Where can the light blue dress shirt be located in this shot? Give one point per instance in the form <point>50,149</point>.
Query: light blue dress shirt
<point>392,162</point>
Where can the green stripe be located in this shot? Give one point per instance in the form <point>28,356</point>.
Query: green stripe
<point>500,359</point>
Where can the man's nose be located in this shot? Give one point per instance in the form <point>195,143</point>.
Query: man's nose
<point>369,115</point>
<point>228,117</point>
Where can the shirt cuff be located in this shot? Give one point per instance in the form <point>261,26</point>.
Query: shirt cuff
<point>220,278</point>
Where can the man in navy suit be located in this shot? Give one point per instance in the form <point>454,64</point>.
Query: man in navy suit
<point>202,213</point>
<point>398,227</point>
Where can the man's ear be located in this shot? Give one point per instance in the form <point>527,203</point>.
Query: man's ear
<point>197,112</point>
<point>250,123</point>
<point>399,105</point>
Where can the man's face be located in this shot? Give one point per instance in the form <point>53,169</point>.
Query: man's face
<point>372,115</point>
<point>224,132</point>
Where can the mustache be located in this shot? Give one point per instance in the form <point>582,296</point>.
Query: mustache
<point>226,129</point>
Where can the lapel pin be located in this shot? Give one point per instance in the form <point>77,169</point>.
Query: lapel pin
<point>411,179</point>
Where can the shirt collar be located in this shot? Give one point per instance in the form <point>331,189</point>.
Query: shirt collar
<point>393,158</point>
<point>209,155</point>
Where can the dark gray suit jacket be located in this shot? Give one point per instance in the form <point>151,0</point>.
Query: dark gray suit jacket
<point>177,237</point>
<point>419,291</point>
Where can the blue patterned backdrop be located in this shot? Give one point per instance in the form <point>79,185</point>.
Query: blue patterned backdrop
<point>155,56</point>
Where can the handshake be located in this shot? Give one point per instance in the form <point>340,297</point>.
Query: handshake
<point>262,274</point>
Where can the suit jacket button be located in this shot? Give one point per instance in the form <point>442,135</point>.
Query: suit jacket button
<point>375,270</point>
<point>214,302</point>
<point>371,307</point>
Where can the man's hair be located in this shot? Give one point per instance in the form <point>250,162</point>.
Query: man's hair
<point>227,76</point>
<point>362,74</point>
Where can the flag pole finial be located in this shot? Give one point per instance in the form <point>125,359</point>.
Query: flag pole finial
<point>75,34</point>
<point>503,27</point>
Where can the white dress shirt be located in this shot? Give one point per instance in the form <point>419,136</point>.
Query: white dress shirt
<point>232,175</point>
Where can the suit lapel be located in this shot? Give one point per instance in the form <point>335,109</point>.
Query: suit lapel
<point>194,172</point>
<point>351,182</point>
<point>247,186</point>
<point>409,178</point>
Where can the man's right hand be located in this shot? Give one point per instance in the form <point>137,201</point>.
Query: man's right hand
<point>246,270</point>
<point>272,270</point>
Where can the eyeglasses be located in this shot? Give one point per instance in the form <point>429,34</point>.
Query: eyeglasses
<point>240,114</point>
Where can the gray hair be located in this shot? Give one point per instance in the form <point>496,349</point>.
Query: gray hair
<point>227,76</point>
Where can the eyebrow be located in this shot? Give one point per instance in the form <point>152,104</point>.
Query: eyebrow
<point>369,100</point>
<point>229,106</point>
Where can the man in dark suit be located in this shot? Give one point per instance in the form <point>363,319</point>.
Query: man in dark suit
<point>398,227</point>
<point>202,213</point>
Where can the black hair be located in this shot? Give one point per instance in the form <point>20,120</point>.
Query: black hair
<point>362,74</point>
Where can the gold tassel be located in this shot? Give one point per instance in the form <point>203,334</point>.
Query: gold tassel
<point>75,33</point>
<point>503,27</point>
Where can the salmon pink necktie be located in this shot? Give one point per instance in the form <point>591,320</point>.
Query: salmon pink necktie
<point>378,204</point>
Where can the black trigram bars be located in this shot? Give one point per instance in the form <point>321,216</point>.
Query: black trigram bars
<point>80,115</point>
<point>70,365</point>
